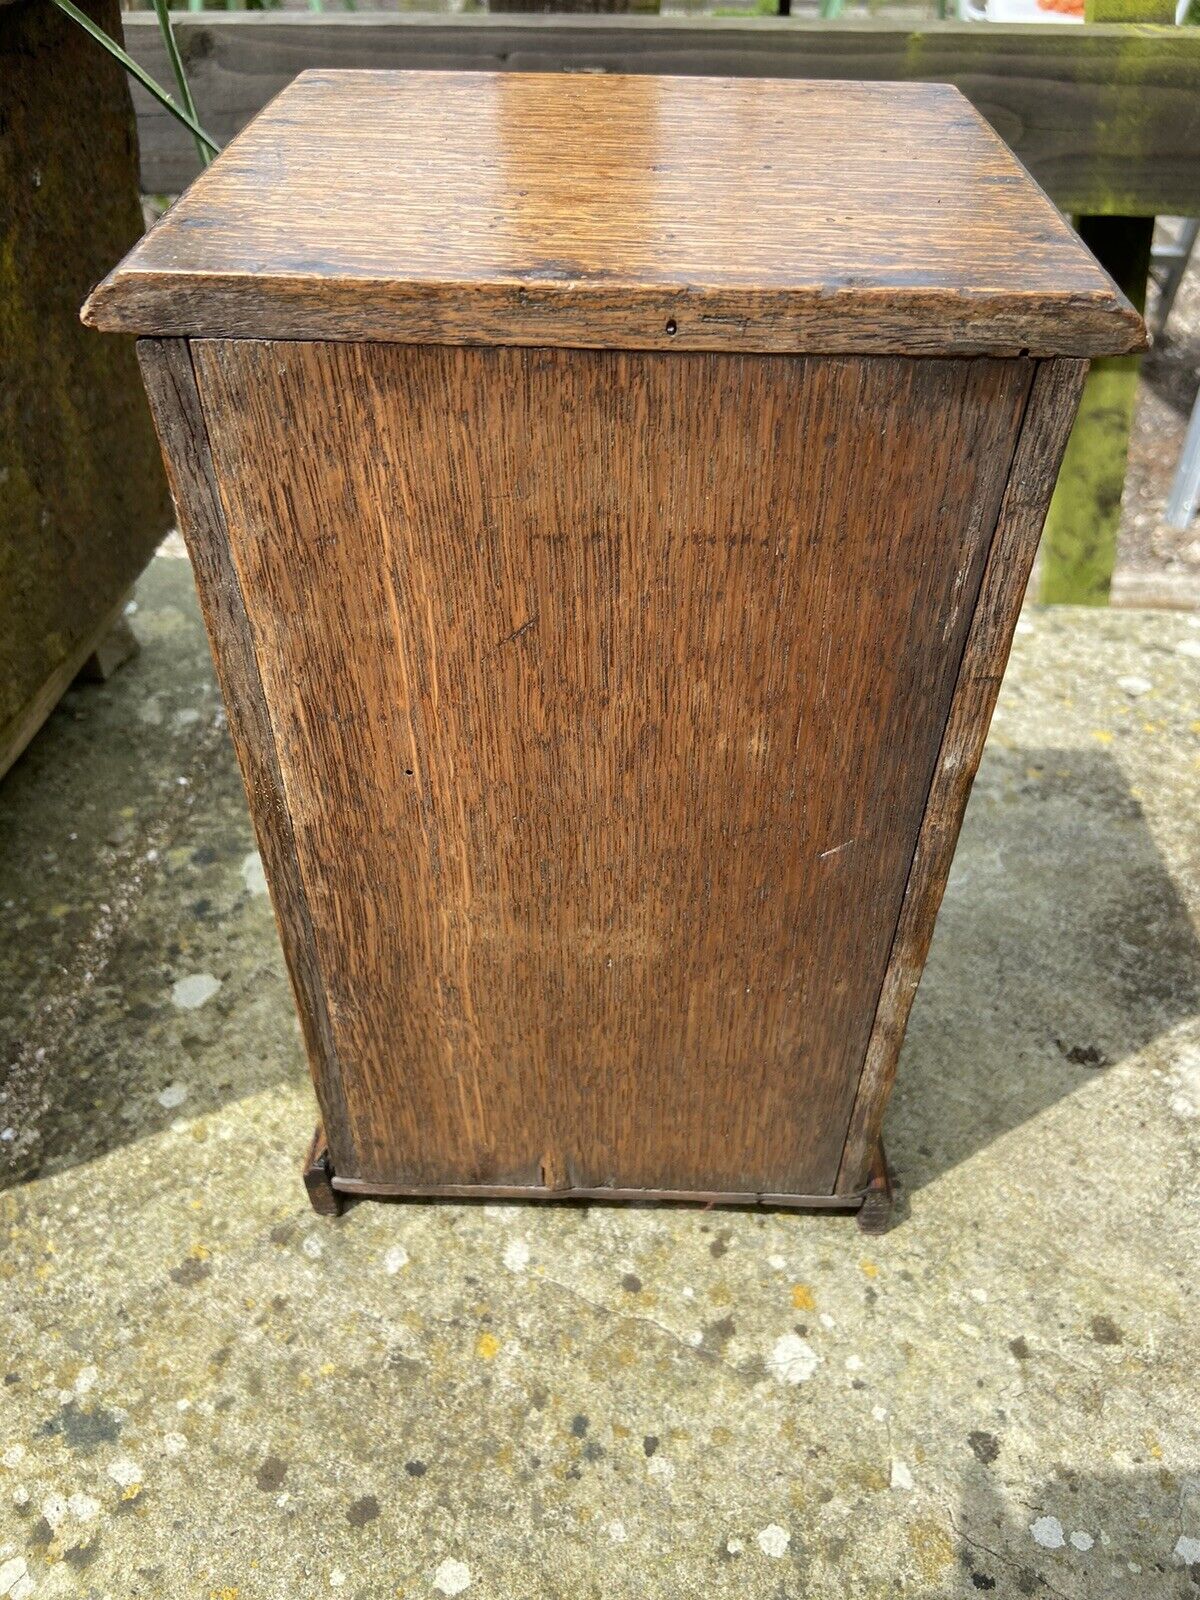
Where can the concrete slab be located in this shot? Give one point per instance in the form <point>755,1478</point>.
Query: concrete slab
<point>209,1392</point>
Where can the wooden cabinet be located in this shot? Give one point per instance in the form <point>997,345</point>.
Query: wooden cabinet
<point>83,500</point>
<point>611,500</point>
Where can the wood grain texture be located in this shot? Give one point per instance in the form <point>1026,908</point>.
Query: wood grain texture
<point>607,690</point>
<point>1053,402</point>
<point>171,386</point>
<point>621,212</point>
<point>1107,119</point>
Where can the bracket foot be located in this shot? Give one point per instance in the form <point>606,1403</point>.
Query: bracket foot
<point>318,1177</point>
<point>112,650</point>
<point>875,1213</point>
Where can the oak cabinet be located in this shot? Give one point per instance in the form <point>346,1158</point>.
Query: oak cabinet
<point>611,501</point>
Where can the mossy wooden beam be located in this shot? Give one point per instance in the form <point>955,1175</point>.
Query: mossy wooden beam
<point>1130,11</point>
<point>1079,546</point>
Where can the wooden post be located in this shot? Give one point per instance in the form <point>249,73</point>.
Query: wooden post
<point>1079,546</point>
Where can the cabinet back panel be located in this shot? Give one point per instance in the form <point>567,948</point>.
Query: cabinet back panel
<point>607,688</point>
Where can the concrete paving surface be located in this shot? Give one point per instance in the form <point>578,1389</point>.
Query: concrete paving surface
<point>209,1392</point>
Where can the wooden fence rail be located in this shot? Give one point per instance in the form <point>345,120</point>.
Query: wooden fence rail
<point>1106,118</point>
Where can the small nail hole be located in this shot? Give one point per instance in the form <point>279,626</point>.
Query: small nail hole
<point>672,325</point>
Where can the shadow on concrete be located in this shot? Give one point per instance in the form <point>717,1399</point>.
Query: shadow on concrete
<point>1080,1536</point>
<point>1169,368</point>
<point>1062,947</point>
<point>125,868</point>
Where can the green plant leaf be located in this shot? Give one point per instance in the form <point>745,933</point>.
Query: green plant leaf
<point>176,60</point>
<point>207,146</point>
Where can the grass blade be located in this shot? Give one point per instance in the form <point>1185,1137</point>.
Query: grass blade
<point>185,94</point>
<point>188,119</point>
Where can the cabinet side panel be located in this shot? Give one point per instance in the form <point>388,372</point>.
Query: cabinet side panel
<point>607,689</point>
<point>170,384</point>
<point>1053,402</point>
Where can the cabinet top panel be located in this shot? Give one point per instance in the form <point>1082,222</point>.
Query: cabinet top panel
<point>641,212</point>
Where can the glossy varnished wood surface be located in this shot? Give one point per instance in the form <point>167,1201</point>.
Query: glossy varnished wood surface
<point>628,212</point>
<point>606,691</point>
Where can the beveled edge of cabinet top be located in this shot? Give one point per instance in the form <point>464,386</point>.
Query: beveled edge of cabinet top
<point>636,212</point>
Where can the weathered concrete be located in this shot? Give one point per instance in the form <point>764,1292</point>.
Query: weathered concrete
<point>210,1392</point>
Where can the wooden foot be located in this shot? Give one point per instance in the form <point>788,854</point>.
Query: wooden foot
<point>117,646</point>
<point>20,729</point>
<point>318,1177</point>
<point>875,1213</point>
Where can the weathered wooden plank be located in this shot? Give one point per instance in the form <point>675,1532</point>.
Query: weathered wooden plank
<point>1107,118</point>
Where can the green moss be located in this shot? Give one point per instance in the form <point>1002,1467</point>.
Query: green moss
<point>914,55</point>
<point>1080,543</point>
<point>1079,546</point>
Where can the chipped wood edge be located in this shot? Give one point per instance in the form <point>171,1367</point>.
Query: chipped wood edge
<point>1046,425</point>
<point>800,320</point>
<point>170,381</point>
